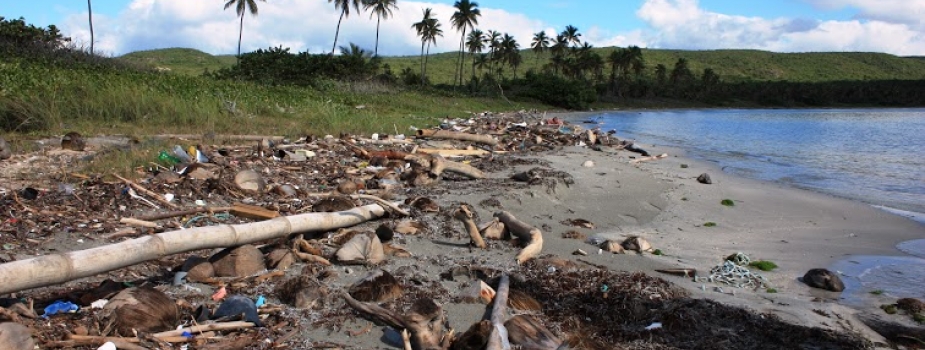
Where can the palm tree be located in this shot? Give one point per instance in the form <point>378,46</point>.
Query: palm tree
<point>344,7</point>
<point>661,73</point>
<point>494,43</point>
<point>571,35</point>
<point>634,55</point>
<point>509,49</point>
<point>466,16</point>
<point>540,44</point>
<point>240,7</point>
<point>354,51</point>
<point>381,9</point>
<point>475,43</point>
<point>428,29</point>
<point>90,15</point>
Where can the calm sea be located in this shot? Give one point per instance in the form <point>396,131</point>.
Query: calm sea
<point>876,156</point>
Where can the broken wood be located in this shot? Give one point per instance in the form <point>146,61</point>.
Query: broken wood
<point>252,212</point>
<point>527,332</point>
<point>454,152</point>
<point>138,223</point>
<point>147,192</point>
<point>58,268</point>
<point>173,214</point>
<point>195,330</point>
<point>449,166</point>
<point>526,233</point>
<point>498,337</point>
<point>461,136</point>
<point>99,340</point>
<point>424,321</point>
<point>464,215</point>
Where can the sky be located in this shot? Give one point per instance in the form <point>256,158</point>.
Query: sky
<point>122,26</point>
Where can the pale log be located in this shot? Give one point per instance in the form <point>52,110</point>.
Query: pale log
<point>59,268</point>
<point>461,136</point>
<point>498,338</point>
<point>464,215</point>
<point>196,330</point>
<point>173,214</point>
<point>448,166</point>
<point>454,152</point>
<point>526,233</point>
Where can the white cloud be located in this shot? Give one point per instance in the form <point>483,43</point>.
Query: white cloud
<point>298,24</point>
<point>683,24</point>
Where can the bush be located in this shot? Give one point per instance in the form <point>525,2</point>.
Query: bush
<point>278,66</point>
<point>558,91</point>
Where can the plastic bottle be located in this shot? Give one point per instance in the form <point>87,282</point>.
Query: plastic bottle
<point>167,158</point>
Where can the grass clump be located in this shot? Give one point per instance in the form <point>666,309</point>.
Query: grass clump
<point>763,265</point>
<point>727,202</point>
<point>709,224</point>
<point>771,290</point>
<point>890,309</point>
<point>658,252</point>
<point>877,292</point>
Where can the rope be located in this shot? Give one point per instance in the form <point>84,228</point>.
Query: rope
<point>733,272</point>
<point>220,216</point>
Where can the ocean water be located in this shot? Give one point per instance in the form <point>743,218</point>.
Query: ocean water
<point>875,156</point>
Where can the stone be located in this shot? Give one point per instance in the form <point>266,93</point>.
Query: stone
<point>5,151</point>
<point>249,180</point>
<point>73,141</point>
<point>588,164</point>
<point>198,269</point>
<point>15,336</point>
<point>705,179</point>
<point>823,279</point>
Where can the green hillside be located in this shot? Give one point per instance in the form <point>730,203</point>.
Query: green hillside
<point>731,65</point>
<point>180,60</point>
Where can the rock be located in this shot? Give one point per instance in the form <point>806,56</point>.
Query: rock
<point>239,261</point>
<point>142,309</point>
<point>705,179</point>
<point>823,279</point>
<point>638,244</point>
<point>14,336</point>
<point>280,259</point>
<point>73,141</point>
<point>911,305</point>
<point>302,292</point>
<point>238,308</point>
<point>5,151</point>
<point>198,269</point>
<point>249,180</point>
<point>613,247</point>
<point>378,286</point>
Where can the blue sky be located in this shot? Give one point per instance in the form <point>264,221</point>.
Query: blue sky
<point>892,26</point>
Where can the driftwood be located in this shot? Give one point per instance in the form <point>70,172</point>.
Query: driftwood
<point>464,215</point>
<point>224,326</point>
<point>173,214</point>
<point>99,340</point>
<point>530,235</point>
<point>452,135</point>
<point>424,321</point>
<point>498,339</point>
<point>147,192</point>
<point>454,152</point>
<point>448,166</point>
<point>59,268</point>
<point>527,333</point>
<point>138,223</point>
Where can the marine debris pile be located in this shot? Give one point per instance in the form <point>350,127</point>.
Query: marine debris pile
<point>348,241</point>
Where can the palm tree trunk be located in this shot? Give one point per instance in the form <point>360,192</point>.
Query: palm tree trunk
<point>425,63</point>
<point>92,39</point>
<point>462,55</point>
<point>422,63</point>
<point>376,51</point>
<point>337,33</point>
<point>240,35</point>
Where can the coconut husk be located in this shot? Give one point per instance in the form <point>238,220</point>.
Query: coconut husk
<point>494,229</point>
<point>333,204</point>
<point>347,187</point>
<point>239,261</point>
<point>73,141</point>
<point>378,286</point>
<point>249,180</point>
<point>142,309</point>
<point>303,292</point>
<point>408,227</point>
<point>280,259</point>
<point>14,336</point>
<point>198,269</point>
<point>528,333</point>
<point>637,244</point>
<point>518,300</point>
<point>475,338</point>
<point>363,248</point>
<point>613,247</point>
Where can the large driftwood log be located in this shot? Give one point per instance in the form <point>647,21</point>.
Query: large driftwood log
<point>452,135</point>
<point>530,235</point>
<point>59,268</point>
<point>447,166</point>
<point>424,321</point>
<point>219,137</point>
<point>498,338</point>
<point>464,215</point>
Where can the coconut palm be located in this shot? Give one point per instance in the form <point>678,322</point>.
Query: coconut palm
<point>540,43</point>
<point>661,73</point>
<point>428,29</point>
<point>354,50</point>
<point>494,43</point>
<point>466,16</point>
<point>420,28</point>
<point>381,9</point>
<point>240,7</point>
<point>572,35</point>
<point>475,43</point>
<point>90,16</point>
<point>344,7</point>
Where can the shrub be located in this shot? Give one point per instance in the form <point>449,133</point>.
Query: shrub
<point>557,91</point>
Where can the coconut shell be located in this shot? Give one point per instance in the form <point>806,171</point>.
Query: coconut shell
<point>378,286</point>
<point>638,244</point>
<point>364,248</point>
<point>240,261</point>
<point>142,309</point>
<point>347,187</point>
<point>280,259</point>
<point>198,269</point>
<point>14,336</point>
<point>302,292</point>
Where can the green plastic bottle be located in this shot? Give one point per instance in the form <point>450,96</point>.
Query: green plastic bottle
<point>168,158</point>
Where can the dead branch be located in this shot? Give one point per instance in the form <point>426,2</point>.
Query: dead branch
<point>464,215</point>
<point>498,338</point>
<point>195,330</point>
<point>173,214</point>
<point>424,321</point>
<point>525,233</point>
<point>452,135</point>
<point>450,166</point>
<point>147,192</point>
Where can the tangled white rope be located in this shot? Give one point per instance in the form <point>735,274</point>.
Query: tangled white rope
<point>733,272</point>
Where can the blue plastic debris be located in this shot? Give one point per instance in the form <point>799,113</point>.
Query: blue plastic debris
<point>60,307</point>
<point>260,301</point>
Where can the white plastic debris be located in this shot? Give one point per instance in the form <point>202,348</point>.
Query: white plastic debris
<point>654,325</point>
<point>99,304</point>
<point>168,197</point>
<point>200,203</point>
<point>107,346</point>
